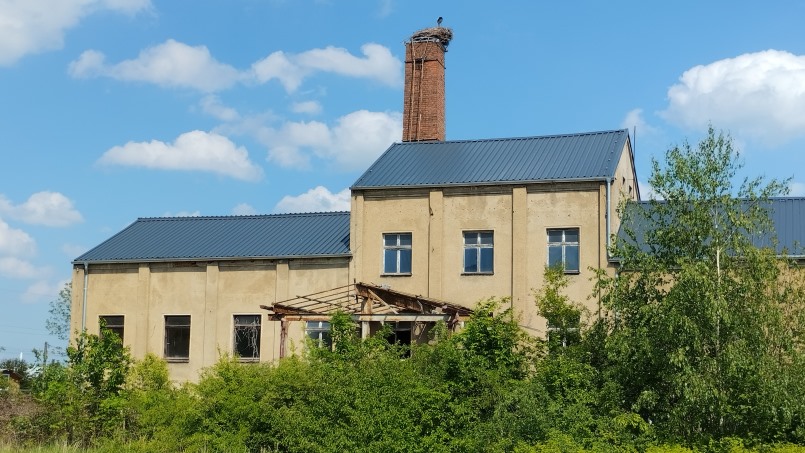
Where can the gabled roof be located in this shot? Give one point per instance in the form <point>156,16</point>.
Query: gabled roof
<point>226,237</point>
<point>572,157</point>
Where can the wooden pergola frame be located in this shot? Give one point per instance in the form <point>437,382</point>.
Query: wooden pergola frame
<point>365,303</point>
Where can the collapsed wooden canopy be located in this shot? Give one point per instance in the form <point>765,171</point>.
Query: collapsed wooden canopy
<point>366,302</point>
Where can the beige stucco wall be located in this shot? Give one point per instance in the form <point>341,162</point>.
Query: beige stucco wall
<point>519,216</point>
<point>210,292</point>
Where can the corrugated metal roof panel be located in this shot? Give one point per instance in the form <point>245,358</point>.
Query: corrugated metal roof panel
<point>787,216</point>
<point>588,155</point>
<point>259,236</point>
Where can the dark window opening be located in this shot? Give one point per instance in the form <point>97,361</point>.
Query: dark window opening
<point>112,324</point>
<point>400,335</point>
<point>247,337</point>
<point>177,338</point>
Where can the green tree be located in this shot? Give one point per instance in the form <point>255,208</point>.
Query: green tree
<point>563,316</point>
<point>83,399</point>
<point>702,342</point>
<point>58,322</point>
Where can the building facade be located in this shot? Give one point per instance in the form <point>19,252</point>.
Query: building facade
<point>434,227</point>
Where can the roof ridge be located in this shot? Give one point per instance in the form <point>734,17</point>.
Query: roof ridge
<point>501,139</point>
<point>240,217</point>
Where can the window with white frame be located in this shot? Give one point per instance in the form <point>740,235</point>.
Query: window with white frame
<point>319,332</point>
<point>177,338</point>
<point>479,252</point>
<point>397,253</point>
<point>247,337</point>
<point>563,249</point>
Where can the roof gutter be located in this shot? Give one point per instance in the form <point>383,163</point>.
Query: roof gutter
<point>211,258</point>
<point>483,183</point>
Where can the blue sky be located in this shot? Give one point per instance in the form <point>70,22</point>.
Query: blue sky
<point>112,110</point>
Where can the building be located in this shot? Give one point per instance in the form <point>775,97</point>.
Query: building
<point>434,227</point>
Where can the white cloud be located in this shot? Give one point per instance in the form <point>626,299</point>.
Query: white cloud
<point>285,144</point>
<point>759,95</point>
<point>73,250</point>
<point>170,64</point>
<point>17,268</point>
<point>290,69</point>
<point>318,199</point>
<point>309,107</point>
<point>33,26</point>
<point>15,242</point>
<point>183,214</point>
<point>385,8</point>
<point>244,209</point>
<point>195,150</point>
<point>360,137</point>
<point>43,208</point>
<point>211,105</point>
<point>352,143</point>
<point>796,189</point>
<point>634,118</point>
<point>647,192</point>
<point>43,290</point>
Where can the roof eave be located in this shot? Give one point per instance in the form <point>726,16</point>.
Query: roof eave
<point>209,258</point>
<point>487,183</point>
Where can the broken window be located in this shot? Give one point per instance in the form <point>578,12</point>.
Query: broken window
<point>247,337</point>
<point>177,338</point>
<point>112,323</point>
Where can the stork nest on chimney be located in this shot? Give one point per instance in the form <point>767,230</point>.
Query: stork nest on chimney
<point>441,34</point>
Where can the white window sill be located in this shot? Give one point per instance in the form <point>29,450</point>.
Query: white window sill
<point>397,275</point>
<point>177,359</point>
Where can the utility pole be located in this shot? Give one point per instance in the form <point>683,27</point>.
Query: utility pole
<point>45,355</point>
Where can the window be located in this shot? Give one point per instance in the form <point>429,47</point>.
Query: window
<point>565,334</point>
<point>400,335</point>
<point>177,338</point>
<point>247,337</point>
<point>319,332</point>
<point>397,253</point>
<point>563,249</point>
<point>479,253</point>
<point>113,324</point>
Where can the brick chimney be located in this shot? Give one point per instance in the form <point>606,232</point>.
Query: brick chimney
<point>423,102</point>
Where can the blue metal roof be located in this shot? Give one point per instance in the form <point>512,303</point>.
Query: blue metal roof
<point>585,156</point>
<point>787,215</point>
<point>226,237</point>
